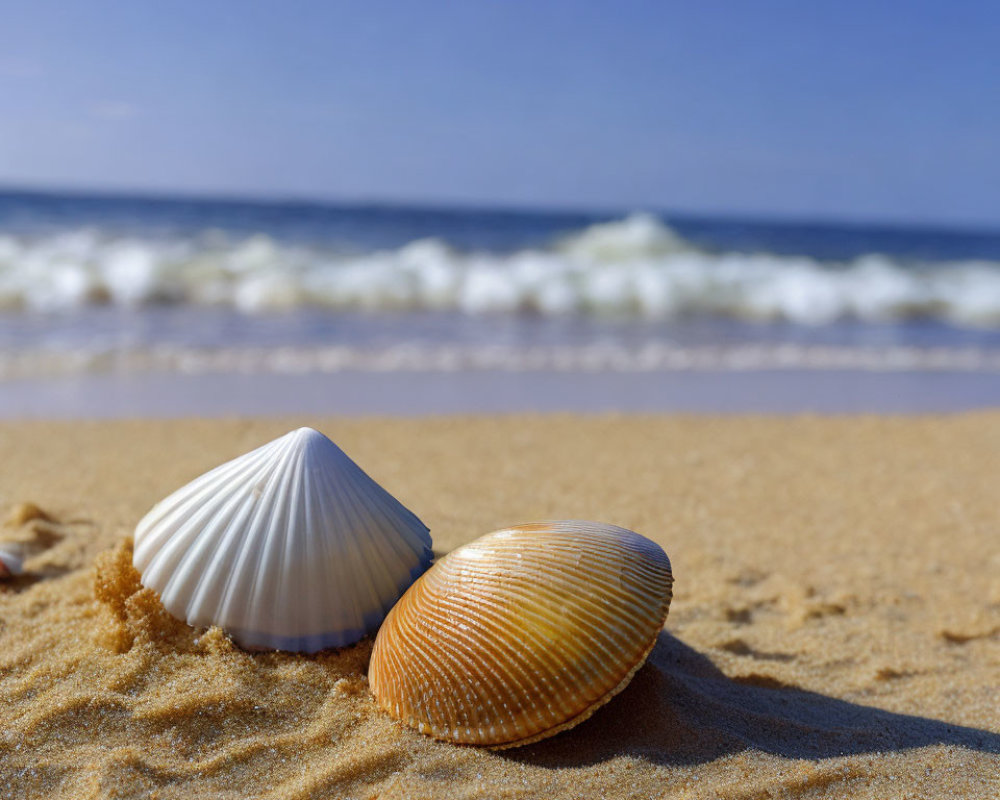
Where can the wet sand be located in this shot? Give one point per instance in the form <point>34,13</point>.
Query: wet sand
<point>835,629</point>
<point>117,395</point>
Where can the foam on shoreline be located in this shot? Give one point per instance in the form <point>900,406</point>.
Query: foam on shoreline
<point>444,358</point>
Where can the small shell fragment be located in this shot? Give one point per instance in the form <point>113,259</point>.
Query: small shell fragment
<point>11,560</point>
<point>289,547</point>
<point>522,633</point>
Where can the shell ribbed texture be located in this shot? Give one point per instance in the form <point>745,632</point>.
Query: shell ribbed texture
<point>523,633</point>
<point>290,547</point>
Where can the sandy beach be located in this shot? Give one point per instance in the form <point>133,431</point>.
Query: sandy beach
<point>835,628</point>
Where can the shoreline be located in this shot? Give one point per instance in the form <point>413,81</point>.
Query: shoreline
<point>485,392</point>
<point>834,630</point>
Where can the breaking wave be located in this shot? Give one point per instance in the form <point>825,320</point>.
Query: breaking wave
<point>635,267</point>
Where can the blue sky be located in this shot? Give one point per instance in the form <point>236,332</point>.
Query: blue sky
<point>812,108</point>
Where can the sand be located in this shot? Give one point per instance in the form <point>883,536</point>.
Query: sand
<point>835,629</point>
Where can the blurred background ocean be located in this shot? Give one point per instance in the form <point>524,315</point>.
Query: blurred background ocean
<point>167,282</point>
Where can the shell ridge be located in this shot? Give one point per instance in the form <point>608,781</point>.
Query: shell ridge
<point>278,597</point>
<point>458,711</point>
<point>308,637</point>
<point>591,612</point>
<point>405,520</point>
<point>539,587</point>
<point>410,522</point>
<point>586,713</point>
<point>336,561</point>
<point>497,620</point>
<point>386,669</point>
<point>411,539</point>
<point>191,494</point>
<point>594,531</point>
<point>314,588</point>
<point>202,549</point>
<point>360,501</point>
<point>334,589</point>
<point>498,617</point>
<point>242,580</point>
<point>178,564</point>
<point>422,662</point>
<point>504,681</point>
<point>624,595</point>
<point>264,595</point>
<point>156,535</point>
<point>207,551</point>
<point>379,571</point>
<point>352,561</point>
<point>541,646</point>
<point>463,713</point>
<point>409,530</point>
<point>464,656</point>
<point>171,533</point>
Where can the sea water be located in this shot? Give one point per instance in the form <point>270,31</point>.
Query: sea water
<point>192,306</point>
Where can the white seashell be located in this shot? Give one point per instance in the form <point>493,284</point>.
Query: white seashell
<point>11,560</point>
<point>289,547</point>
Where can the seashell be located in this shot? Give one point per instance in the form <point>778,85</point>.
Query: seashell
<point>11,560</point>
<point>522,633</point>
<point>289,547</point>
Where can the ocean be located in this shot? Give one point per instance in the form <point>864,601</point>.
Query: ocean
<point>116,305</point>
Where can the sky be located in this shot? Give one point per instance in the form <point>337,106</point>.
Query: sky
<point>824,109</point>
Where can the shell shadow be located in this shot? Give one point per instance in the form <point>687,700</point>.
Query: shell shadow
<point>19,583</point>
<point>680,709</point>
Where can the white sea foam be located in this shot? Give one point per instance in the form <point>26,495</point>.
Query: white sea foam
<point>634,267</point>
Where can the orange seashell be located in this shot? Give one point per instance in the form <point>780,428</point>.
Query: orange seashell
<point>522,633</point>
